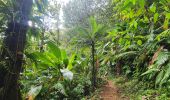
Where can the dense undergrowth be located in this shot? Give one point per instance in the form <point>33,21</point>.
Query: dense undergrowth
<point>38,60</point>
<point>137,90</point>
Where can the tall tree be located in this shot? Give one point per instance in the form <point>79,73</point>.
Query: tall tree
<point>14,43</point>
<point>89,36</point>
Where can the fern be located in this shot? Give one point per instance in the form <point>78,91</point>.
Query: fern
<point>159,77</point>
<point>160,69</point>
<point>150,71</point>
<point>162,58</point>
<point>166,76</point>
<point>125,54</point>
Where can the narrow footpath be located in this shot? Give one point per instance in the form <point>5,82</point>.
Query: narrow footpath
<point>111,92</point>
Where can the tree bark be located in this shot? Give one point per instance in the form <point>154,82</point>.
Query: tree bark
<point>14,44</point>
<point>93,65</point>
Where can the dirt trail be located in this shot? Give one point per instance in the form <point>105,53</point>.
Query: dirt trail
<point>110,92</point>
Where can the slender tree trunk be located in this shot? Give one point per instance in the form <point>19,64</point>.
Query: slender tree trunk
<point>42,37</point>
<point>58,32</point>
<point>42,41</point>
<point>58,36</point>
<point>111,67</point>
<point>118,68</point>
<point>14,47</point>
<point>93,65</point>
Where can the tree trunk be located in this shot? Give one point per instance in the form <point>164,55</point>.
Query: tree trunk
<point>42,41</point>
<point>118,68</point>
<point>93,65</point>
<point>58,36</point>
<point>14,47</point>
<point>58,32</point>
<point>111,67</point>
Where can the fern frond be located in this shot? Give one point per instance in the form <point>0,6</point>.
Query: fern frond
<point>162,58</point>
<point>150,71</point>
<point>166,76</point>
<point>159,77</point>
<point>125,54</point>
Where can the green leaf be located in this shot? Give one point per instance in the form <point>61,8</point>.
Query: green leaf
<point>54,49</point>
<point>150,71</point>
<point>146,20</point>
<point>159,77</point>
<point>135,24</point>
<point>167,15</point>
<point>127,4</point>
<point>142,3</point>
<point>162,34</point>
<point>34,91</point>
<point>133,1</point>
<point>156,15</point>
<point>2,3</point>
<point>139,42</point>
<point>162,58</point>
<point>153,8</point>
<point>165,25</point>
<point>63,54</point>
<point>66,62</point>
<point>70,66</point>
<point>37,56</point>
<point>120,40</point>
<point>101,28</point>
<point>167,74</point>
<point>93,24</point>
<point>125,54</point>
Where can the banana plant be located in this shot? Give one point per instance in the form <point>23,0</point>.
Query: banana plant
<point>53,57</point>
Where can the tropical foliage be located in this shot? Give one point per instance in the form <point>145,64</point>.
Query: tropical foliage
<point>51,50</point>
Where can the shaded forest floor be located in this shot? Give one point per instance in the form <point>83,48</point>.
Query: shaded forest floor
<point>109,91</point>
<point>120,88</point>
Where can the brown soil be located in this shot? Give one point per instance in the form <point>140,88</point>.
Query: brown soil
<point>111,92</point>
